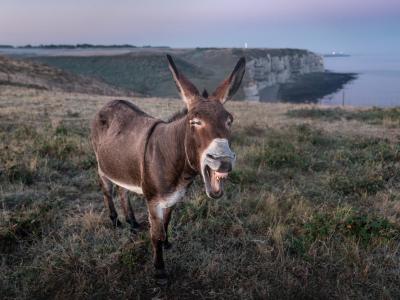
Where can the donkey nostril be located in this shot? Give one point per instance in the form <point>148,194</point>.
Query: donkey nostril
<point>225,167</point>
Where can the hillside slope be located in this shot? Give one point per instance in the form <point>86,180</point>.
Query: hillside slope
<point>145,73</point>
<point>30,74</point>
<point>146,70</point>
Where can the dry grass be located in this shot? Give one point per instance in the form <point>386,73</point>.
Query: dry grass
<point>311,211</point>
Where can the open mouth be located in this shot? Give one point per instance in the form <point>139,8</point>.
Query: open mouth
<point>214,182</point>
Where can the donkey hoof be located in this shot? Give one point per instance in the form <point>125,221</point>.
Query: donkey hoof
<point>167,245</point>
<point>134,230</point>
<point>161,277</point>
<point>116,223</point>
<point>135,226</point>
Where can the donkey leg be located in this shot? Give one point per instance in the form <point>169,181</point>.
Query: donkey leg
<point>127,208</point>
<point>167,218</point>
<point>157,234</point>
<point>107,188</point>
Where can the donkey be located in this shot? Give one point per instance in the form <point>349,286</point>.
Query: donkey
<point>160,159</point>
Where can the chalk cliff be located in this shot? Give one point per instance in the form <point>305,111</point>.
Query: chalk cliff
<point>266,69</point>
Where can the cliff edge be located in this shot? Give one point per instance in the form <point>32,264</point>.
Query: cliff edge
<point>146,71</point>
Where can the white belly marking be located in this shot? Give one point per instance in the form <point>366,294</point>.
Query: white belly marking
<point>133,188</point>
<point>130,187</point>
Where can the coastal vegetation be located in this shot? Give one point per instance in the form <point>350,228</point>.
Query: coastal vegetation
<point>311,209</point>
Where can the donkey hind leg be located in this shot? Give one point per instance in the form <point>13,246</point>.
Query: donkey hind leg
<point>107,188</point>
<point>158,236</point>
<point>127,208</point>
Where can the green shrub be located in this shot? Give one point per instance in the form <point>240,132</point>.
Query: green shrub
<point>20,173</point>
<point>57,147</point>
<point>134,254</point>
<point>372,116</point>
<point>281,154</point>
<point>358,183</point>
<point>335,114</point>
<point>339,225</point>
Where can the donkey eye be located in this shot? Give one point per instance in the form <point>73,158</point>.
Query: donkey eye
<point>229,123</point>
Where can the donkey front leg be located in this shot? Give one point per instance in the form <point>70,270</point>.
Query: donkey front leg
<point>158,236</point>
<point>167,218</point>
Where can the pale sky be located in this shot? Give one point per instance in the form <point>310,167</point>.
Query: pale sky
<point>352,26</point>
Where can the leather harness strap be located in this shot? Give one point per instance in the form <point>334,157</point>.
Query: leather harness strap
<point>187,158</point>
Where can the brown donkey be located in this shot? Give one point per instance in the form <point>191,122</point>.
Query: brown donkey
<point>160,159</point>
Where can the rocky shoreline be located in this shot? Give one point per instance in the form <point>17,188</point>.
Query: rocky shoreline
<point>310,88</point>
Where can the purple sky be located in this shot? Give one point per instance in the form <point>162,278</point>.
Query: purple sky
<point>354,26</point>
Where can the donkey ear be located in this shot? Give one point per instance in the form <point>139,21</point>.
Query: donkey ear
<point>229,86</point>
<point>188,91</point>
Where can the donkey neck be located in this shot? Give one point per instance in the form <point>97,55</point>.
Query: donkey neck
<point>167,149</point>
<point>176,131</point>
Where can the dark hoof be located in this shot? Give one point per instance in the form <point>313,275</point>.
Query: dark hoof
<point>167,245</point>
<point>135,226</point>
<point>116,223</point>
<point>161,277</point>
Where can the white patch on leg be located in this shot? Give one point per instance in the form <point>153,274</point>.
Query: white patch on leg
<point>169,201</point>
<point>160,212</point>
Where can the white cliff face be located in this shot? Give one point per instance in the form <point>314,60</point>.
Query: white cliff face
<point>268,70</point>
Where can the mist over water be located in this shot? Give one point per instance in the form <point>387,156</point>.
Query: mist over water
<point>377,84</point>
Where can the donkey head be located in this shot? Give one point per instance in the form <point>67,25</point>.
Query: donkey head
<point>207,141</point>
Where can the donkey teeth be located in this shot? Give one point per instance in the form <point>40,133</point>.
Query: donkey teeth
<point>219,178</point>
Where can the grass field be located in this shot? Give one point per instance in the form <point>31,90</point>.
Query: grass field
<point>312,210</point>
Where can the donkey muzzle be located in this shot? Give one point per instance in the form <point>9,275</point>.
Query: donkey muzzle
<point>217,161</point>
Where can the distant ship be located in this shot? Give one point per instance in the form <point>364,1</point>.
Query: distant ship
<point>336,54</point>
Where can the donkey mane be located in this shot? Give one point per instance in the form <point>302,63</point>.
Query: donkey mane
<point>177,115</point>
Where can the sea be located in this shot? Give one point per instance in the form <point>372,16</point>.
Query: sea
<point>377,83</point>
